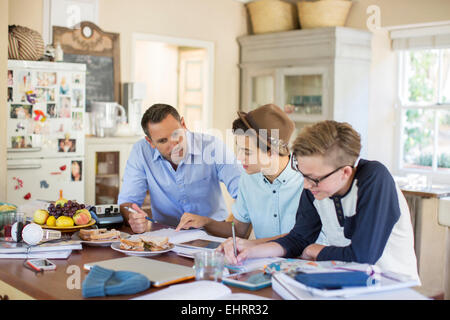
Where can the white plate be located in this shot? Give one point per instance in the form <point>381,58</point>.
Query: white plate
<point>100,243</point>
<point>146,253</point>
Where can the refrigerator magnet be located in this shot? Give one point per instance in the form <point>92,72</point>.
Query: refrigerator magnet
<point>31,96</point>
<point>20,126</point>
<point>18,182</point>
<point>39,115</point>
<point>44,184</point>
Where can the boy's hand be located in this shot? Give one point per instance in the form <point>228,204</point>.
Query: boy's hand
<point>227,247</point>
<point>190,220</point>
<point>312,251</point>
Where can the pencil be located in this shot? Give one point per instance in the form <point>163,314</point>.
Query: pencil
<point>234,239</point>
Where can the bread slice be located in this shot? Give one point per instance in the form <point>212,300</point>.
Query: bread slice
<point>132,245</point>
<point>156,243</point>
<point>86,233</point>
<point>107,235</point>
<point>99,234</point>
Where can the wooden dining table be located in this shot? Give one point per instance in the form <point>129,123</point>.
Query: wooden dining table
<point>64,283</point>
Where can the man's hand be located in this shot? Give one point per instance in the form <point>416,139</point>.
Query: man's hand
<point>137,221</point>
<point>312,251</point>
<point>190,220</point>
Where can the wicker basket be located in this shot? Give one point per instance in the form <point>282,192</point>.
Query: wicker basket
<point>272,16</point>
<point>24,43</point>
<point>323,13</point>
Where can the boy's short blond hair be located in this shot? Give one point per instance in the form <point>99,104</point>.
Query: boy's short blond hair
<point>337,142</point>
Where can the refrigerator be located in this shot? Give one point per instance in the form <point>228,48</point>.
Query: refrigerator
<point>45,131</point>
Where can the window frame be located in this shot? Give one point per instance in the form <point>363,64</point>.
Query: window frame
<point>401,105</point>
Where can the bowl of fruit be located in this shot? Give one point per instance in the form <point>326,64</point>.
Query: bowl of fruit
<point>64,215</point>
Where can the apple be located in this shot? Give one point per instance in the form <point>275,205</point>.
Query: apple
<point>81,217</point>
<point>40,216</point>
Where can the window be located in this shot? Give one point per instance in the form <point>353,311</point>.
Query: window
<point>425,111</point>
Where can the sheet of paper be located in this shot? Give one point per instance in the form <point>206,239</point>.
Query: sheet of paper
<point>174,236</point>
<point>197,290</point>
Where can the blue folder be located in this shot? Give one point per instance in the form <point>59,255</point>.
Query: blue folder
<point>333,280</point>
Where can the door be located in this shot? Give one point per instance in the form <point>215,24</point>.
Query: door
<point>45,110</point>
<point>192,90</point>
<point>39,179</point>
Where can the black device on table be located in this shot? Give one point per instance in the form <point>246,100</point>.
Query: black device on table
<point>107,215</point>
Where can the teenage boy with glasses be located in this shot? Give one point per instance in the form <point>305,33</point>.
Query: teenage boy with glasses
<point>353,202</point>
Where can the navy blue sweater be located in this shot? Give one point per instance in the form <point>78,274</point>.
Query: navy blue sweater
<point>356,226</point>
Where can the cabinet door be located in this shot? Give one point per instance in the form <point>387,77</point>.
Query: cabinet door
<point>258,88</point>
<point>303,93</point>
<point>103,174</point>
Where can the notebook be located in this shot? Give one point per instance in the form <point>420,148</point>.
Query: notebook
<point>158,272</point>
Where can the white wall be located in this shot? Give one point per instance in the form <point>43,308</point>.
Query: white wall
<point>3,71</point>
<point>156,65</point>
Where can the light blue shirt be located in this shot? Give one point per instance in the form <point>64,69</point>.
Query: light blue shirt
<point>194,187</point>
<point>271,208</point>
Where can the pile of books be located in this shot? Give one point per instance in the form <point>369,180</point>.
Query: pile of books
<point>50,250</point>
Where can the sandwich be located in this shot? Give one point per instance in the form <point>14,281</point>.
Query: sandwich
<point>156,243</point>
<point>99,234</point>
<point>137,245</point>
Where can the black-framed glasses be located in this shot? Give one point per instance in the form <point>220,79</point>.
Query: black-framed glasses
<point>294,165</point>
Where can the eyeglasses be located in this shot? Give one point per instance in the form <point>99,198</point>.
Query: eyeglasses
<point>315,182</point>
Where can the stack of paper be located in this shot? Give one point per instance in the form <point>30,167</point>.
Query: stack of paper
<point>51,250</point>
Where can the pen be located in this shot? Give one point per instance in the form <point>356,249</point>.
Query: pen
<point>234,239</point>
<point>134,211</point>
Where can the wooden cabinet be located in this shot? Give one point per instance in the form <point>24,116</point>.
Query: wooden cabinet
<point>314,74</point>
<point>431,239</point>
<point>106,159</point>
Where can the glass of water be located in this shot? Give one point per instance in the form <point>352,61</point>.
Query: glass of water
<point>209,265</point>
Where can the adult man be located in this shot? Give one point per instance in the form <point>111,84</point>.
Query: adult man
<point>179,168</point>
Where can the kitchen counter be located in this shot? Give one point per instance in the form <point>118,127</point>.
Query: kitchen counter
<point>112,140</point>
<point>436,191</point>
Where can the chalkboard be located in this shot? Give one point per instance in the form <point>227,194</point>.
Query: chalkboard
<point>100,51</point>
<point>99,77</point>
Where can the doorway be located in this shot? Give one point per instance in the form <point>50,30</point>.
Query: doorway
<point>178,72</point>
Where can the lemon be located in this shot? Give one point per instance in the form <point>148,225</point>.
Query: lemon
<point>64,221</point>
<point>51,221</point>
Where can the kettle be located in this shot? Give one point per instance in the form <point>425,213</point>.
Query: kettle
<point>106,118</point>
